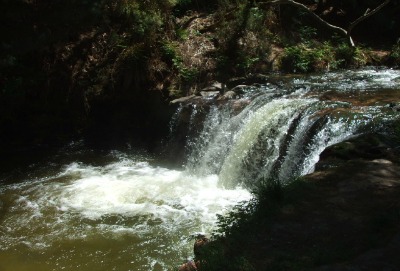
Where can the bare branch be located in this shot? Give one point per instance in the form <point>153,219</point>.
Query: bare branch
<point>305,8</point>
<point>346,32</point>
<point>366,15</point>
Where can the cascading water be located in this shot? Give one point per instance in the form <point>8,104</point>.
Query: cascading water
<point>126,212</point>
<point>284,129</point>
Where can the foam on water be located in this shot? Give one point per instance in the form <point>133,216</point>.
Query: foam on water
<point>153,207</point>
<point>131,215</point>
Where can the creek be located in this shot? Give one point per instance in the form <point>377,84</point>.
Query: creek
<point>123,210</point>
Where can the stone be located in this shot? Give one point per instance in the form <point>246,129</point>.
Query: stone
<point>201,241</point>
<point>216,86</point>
<point>189,266</point>
<point>228,95</point>
<point>210,94</point>
<point>182,99</point>
<point>239,89</point>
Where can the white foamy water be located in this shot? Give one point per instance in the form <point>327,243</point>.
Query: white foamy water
<point>127,215</point>
<point>131,215</point>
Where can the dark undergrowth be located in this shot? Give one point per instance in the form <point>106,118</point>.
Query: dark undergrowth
<point>73,69</point>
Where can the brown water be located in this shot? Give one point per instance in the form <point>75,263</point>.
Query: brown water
<point>125,215</point>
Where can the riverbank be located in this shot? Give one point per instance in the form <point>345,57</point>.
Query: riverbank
<point>344,216</point>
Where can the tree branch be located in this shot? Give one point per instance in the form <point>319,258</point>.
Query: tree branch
<point>345,32</point>
<point>367,14</point>
<point>318,18</point>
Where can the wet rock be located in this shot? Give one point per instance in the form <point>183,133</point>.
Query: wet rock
<point>210,94</point>
<point>216,86</point>
<point>182,99</point>
<point>239,89</point>
<point>248,80</point>
<point>213,90</point>
<point>239,105</point>
<point>189,266</point>
<point>201,241</point>
<point>233,82</point>
<point>395,107</point>
<point>381,161</point>
<point>228,95</point>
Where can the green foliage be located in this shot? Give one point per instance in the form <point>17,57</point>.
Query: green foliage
<point>313,56</point>
<point>256,19</point>
<point>244,37</point>
<point>146,18</point>
<point>185,74</point>
<point>133,53</point>
<point>182,34</point>
<point>307,34</point>
<point>396,50</point>
<point>394,131</point>
<point>246,62</point>
<point>344,53</point>
<point>298,59</point>
<point>394,56</point>
<point>360,57</point>
<point>170,51</point>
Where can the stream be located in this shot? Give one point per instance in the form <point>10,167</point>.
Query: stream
<point>124,210</point>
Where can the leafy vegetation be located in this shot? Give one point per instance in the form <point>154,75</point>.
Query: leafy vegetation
<point>394,57</point>
<point>326,56</point>
<point>81,58</point>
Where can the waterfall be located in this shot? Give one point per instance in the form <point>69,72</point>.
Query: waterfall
<point>280,134</point>
<point>85,209</point>
<point>280,139</point>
